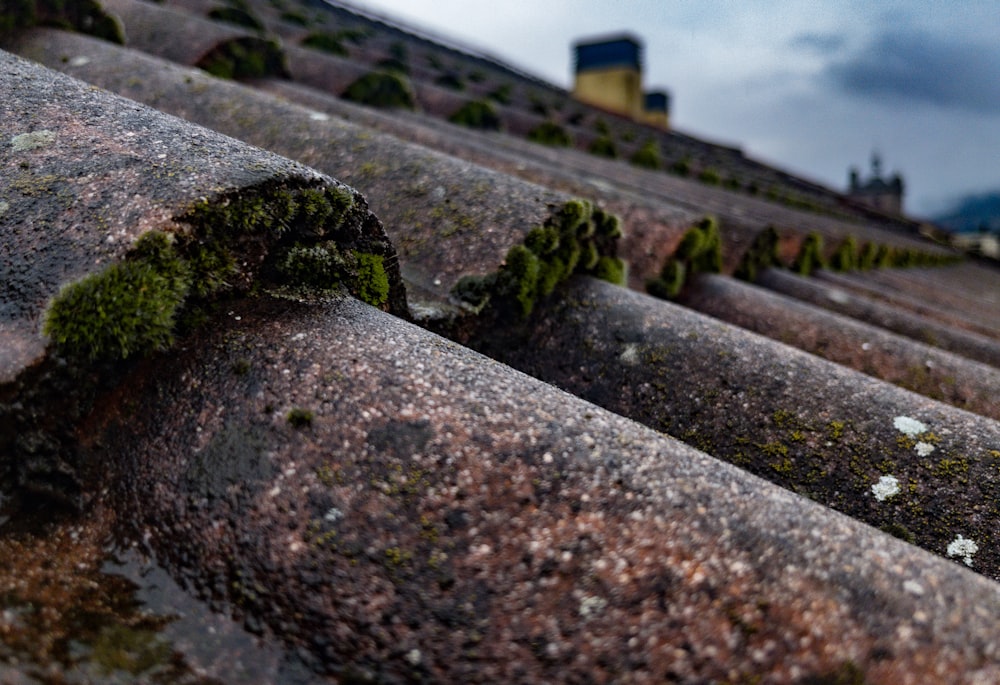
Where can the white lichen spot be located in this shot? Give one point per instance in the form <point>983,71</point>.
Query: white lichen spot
<point>32,140</point>
<point>913,587</point>
<point>4,206</point>
<point>908,426</point>
<point>886,487</point>
<point>962,547</point>
<point>924,448</point>
<point>630,355</point>
<point>79,61</point>
<point>591,606</point>
<point>333,514</point>
<point>318,116</point>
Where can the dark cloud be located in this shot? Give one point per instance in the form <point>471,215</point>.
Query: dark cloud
<point>823,43</point>
<point>915,67</point>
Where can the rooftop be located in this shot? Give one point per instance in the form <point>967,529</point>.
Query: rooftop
<point>371,366</point>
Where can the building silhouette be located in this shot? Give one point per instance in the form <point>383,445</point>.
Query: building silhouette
<point>883,194</point>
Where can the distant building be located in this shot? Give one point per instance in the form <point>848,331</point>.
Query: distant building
<point>608,74</point>
<point>883,194</point>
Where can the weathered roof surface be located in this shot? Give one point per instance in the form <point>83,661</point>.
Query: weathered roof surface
<point>895,318</point>
<point>390,506</point>
<point>818,428</point>
<point>870,349</point>
<point>441,517</point>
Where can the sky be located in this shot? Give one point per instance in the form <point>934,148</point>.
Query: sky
<point>810,87</point>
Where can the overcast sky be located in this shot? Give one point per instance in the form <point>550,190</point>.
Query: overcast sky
<point>811,87</point>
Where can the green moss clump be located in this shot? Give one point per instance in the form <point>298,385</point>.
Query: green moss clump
<point>501,94</point>
<point>699,251</point>
<point>810,255</point>
<point>611,269</point>
<point>550,133</point>
<point>868,256</point>
<point>245,58</point>
<point>710,176</point>
<point>331,43</point>
<point>372,284</point>
<point>762,254</point>
<point>299,418</point>
<point>450,81</point>
<point>297,18</point>
<point>477,114</point>
<point>85,16</point>
<point>647,156</point>
<point>320,265</point>
<point>603,146</point>
<point>238,16</point>
<point>576,238</point>
<point>382,89</point>
<point>845,257</point>
<point>518,279</point>
<point>670,281</point>
<point>682,167</point>
<point>127,309</point>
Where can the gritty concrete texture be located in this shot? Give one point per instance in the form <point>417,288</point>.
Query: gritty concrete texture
<point>903,361</point>
<point>85,175</point>
<point>402,509</point>
<point>817,428</point>
<point>900,320</point>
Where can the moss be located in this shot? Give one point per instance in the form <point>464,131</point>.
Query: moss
<point>682,167</point>
<point>868,256</point>
<point>297,18</point>
<point>320,265</point>
<point>501,94</point>
<point>710,176</point>
<point>299,418</point>
<point>245,58</point>
<point>670,282</point>
<point>128,308</point>
<point>238,16</point>
<point>381,89</point>
<point>85,16</point>
<point>518,279</point>
<point>603,146</point>
<point>576,238</point>
<point>477,114</point>
<point>691,245</point>
<point>372,284</point>
<point>331,43</point>
<point>845,257</point>
<point>136,651</point>
<point>611,269</point>
<point>550,133</point>
<point>647,156</point>
<point>762,254</point>
<point>810,255</point>
<point>835,430</point>
<point>450,81</point>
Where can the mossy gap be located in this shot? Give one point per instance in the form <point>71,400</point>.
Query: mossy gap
<point>577,238</point>
<point>300,236</point>
<point>699,251</point>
